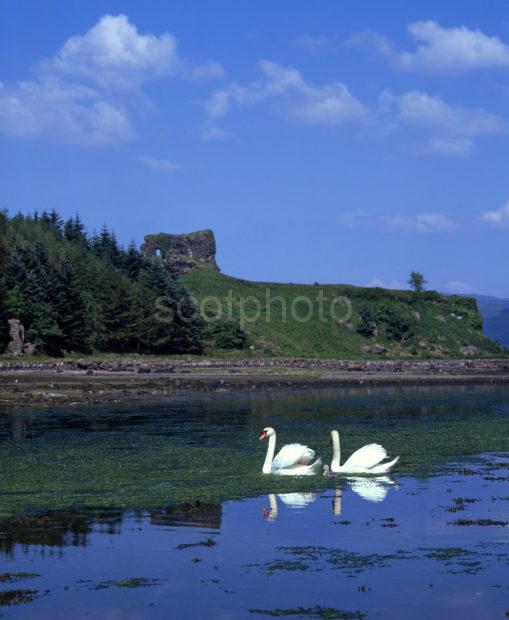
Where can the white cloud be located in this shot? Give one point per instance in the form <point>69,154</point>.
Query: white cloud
<point>72,113</point>
<point>371,40</point>
<point>419,108</point>
<point>421,223</point>
<point>210,131</point>
<point>210,70</point>
<point>440,128</point>
<point>498,217</point>
<point>458,286</point>
<point>81,94</point>
<point>114,54</point>
<point>394,284</point>
<point>434,222</point>
<point>330,104</point>
<point>439,49</point>
<point>425,123</point>
<point>458,48</point>
<point>450,146</point>
<point>219,103</point>
<point>161,165</point>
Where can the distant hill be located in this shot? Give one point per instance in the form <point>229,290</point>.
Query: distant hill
<point>495,313</point>
<point>64,291</point>
<point>382,322</point>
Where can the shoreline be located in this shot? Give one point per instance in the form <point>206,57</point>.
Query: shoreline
<point>156,365</point>
<point>79,382</point>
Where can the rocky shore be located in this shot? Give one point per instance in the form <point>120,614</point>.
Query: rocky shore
<point>73,382</point>
<point>419,366</point>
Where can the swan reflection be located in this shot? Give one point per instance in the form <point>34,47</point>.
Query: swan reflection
<point>293,500</point>
<point>370,489</point>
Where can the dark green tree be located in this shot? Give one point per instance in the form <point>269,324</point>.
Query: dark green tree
<point>133,261</point>
<point>417,281</point>
<point>366,325</point>
<point>396,320</point>
<point>74,230</point>
<point>226,334</point>
<point>78,294</point>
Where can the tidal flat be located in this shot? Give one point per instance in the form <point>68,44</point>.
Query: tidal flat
<point>159,509</point>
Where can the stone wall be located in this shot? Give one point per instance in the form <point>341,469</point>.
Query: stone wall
<point>184,252</point>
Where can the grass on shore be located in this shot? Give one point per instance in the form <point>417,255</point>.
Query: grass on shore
<point>441,326</point>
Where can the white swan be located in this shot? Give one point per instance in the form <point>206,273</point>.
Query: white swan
<point>365,460</point>
<point>294,459</point>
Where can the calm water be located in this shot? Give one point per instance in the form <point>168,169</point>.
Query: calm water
<point>161,511</point>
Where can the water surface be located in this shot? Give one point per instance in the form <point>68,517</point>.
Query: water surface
<point>161,511</point>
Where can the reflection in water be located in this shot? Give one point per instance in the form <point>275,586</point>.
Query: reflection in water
<point>56,529</point>
<point>210,560</point>
<point>337,504</point>
<point>74,528</point>
<point>189,514</point>
<point>18,428</point>
<point>213,557</point>
<point>373,489</point>
<point>293,500</point>
<point>297,500</point>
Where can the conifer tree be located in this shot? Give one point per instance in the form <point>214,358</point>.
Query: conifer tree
<point>133,261</point>
<point>78,294</point>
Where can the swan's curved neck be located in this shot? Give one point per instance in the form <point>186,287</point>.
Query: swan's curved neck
<point>336,453</point>
<point>267,465</point>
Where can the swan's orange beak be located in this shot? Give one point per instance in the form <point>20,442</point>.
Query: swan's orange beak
<point>263,435</point>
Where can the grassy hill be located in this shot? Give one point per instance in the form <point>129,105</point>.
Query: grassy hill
<point>296,319</point>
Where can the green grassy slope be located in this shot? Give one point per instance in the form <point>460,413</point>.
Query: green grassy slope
<point>437,325</point>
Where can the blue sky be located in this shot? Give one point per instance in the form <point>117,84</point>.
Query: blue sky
<point>346,141</point>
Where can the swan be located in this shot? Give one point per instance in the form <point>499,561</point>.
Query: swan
<point>365,460</point>
<point>294,459</point>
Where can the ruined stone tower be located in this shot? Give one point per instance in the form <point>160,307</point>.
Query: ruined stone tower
<point>182,253</point>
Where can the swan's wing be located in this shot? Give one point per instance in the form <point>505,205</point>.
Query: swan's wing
<point>291,455</point>
<point>366,457</point>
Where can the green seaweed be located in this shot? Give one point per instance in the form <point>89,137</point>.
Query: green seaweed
<point>136,457</point>
<point>315,558</point>
<point>13,577</point>
<point>327,613</point>
<point>483,522</point>
<point>203,543</point>
<point>131,582</point>
<point>17,597</point>
<point>445,553</point>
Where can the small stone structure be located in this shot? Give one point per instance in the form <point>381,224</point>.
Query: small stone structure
<point>17,338</point>
<point>17,345</point>
<point>182,253</point>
